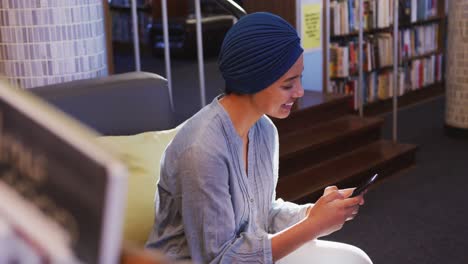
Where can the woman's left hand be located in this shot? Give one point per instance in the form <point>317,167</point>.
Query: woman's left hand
<point>346,194</point>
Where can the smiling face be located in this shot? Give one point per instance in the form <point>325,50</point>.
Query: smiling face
<point>277,99</point>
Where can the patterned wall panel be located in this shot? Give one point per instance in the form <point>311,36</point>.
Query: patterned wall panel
<point>51,41</point>
<point>456,114</point>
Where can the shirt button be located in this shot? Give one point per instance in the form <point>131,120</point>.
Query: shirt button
<point>251,200</point>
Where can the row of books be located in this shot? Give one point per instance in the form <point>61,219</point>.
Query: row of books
<point>379,85</point>
<point>57,14</point>
<point>418,40</point>
<point>378,50</point>
<point>411,11</point>
<point>426,71</point>
<point>377,53</point>
<point>344,15</point>
<point>122,29</point>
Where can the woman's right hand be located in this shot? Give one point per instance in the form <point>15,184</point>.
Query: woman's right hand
<point>332,210</point>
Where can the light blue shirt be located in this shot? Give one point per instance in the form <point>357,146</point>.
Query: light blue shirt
<point>207,208</point>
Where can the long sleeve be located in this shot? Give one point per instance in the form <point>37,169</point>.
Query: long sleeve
<point>285,214</point>
<point>208,214</point>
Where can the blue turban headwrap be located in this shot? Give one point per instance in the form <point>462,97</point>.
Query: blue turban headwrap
<point>257,51</point>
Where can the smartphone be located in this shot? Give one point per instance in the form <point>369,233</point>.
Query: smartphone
<point>365,185</point>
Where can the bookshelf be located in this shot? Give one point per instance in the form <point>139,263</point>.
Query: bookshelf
<point>420,58</point>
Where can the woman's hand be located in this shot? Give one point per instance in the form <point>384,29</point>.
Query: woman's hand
<point>326,216</point>
<point>333,209</point>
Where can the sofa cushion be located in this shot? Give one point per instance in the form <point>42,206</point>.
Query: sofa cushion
<point>141,153</point>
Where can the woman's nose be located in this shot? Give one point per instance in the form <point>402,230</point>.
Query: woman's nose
<point>299,92</point>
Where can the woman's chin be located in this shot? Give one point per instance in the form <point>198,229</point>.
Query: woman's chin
<point>282,114</point>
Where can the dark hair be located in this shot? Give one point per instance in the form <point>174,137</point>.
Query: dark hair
<point>228,91</point>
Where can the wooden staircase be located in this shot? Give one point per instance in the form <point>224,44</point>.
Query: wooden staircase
<point>323,143</point>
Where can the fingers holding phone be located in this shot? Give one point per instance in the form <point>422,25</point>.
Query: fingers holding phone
<point>329,189</point>
<point>350,201</point>
<point>353,204</point>
<point>365,185</point>
<point>346,193</point>
<point>354,212</point>
<point>332,210</point>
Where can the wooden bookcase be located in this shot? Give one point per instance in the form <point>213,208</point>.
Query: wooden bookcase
<point>287,10</point>
<point>421,70</point>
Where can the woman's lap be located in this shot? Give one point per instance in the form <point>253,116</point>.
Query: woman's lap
<point>321,251</point>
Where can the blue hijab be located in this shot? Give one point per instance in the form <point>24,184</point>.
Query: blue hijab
<point>257,51</point>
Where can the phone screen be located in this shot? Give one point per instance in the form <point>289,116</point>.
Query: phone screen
<point>365,185</point>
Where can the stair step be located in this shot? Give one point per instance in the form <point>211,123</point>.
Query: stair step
<point>326,140</point>
<point>312,108</point>
<point>382,156</point>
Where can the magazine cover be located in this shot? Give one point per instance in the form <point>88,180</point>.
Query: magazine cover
<point>61,195</point>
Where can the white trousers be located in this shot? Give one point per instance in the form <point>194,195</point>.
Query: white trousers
<point>321,252</point>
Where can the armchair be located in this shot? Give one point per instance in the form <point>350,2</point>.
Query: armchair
<point>134,108</point>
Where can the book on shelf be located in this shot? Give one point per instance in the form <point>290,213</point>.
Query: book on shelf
<point>418,41</point>
<point>404,12</point>
<point>426,71</point>
<point>419,9</point>
<point>377,53</point>
<point>347,87</point>
<point>63,196</point>
<point>411,11</point>
<point>339,61</point>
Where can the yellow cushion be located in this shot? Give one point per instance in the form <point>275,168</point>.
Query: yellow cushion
<point>141,154</point>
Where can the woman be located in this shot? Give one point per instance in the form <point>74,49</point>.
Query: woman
<point>216,194</point>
